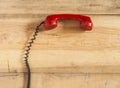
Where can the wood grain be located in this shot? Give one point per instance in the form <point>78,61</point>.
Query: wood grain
<point>105,34</point>
<point>66,56</point>
<point>66,48</point>
<point>59,6</point>
<point>16,80</point>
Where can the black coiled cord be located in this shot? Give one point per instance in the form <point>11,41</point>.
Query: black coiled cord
<point>27,52</point>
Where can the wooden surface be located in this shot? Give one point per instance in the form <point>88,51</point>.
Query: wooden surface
<point>57,6</point>
<point>64,48</point>
<point>66,55</point>
<point>16,80</point>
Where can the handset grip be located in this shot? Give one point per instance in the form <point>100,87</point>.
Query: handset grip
<point>51,21</point>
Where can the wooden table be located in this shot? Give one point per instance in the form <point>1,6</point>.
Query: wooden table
<point>65,56</point>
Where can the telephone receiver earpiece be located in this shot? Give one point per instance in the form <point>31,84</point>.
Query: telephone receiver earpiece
<point>51,21</point>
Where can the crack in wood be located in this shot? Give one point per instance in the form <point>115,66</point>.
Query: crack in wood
<point>8,66</point>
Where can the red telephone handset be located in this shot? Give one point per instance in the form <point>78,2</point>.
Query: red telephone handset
<point>52,20</point>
